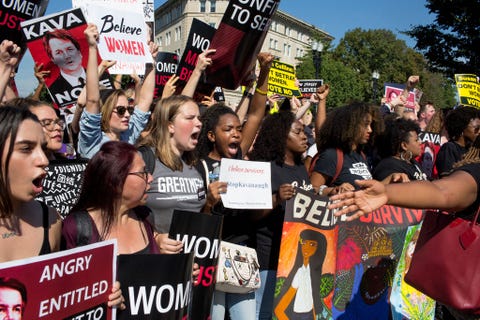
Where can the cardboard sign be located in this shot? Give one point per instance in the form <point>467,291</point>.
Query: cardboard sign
<point>468,87</point>
<point>308,87</point>
<point>68,53</point>
<point>198,41</point>
<point>249,184</point>
<point>61,186</point>
<point>282,80</point>
<point>12,13</point>
<point>71,284</point>
<point>238,41</point>
<point>123,37</point>
<point>155,286</point>
<point>166,65</point>
<point>393,90</point>
<point>200,234</point>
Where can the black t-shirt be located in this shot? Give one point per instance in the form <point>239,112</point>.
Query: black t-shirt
<point>449,153</point>
<point>237,224</point>
<point>269,228</point>
<point>474,170</point>
<point>354,167</point>
<point>391,165</point>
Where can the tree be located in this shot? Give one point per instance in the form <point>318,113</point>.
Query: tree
<point>348,68</point>
<point>451,42</point>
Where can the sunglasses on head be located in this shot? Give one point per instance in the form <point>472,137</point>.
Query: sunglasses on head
<point>120,110</point>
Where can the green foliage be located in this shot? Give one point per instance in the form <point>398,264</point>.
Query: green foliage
<point>451,42</point>
<point>348,68</point>
<point>326,284</point>
<point>278,286</point>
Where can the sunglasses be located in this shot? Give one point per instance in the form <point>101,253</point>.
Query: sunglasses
<point>120,110</point>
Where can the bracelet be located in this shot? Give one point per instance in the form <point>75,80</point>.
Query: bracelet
<point>248,95</point>
<point>321,189</point>
<point>259,91</point>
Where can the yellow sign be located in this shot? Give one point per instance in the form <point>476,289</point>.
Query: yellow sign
<point>282,80</point>
<point>468,88</point>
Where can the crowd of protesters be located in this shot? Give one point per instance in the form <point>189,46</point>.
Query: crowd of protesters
<point>326,156</point>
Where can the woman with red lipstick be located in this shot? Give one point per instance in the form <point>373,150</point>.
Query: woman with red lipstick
<point>346,130</point>
<point>117,121</point>
<point>114,190</point>
<point>223,136</point>
<point>281,141</point>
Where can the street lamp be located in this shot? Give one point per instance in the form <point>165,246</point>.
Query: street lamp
<point>317,48</point>
<point>375,77</point>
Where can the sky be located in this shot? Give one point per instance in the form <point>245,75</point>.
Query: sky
<point>333,17</point>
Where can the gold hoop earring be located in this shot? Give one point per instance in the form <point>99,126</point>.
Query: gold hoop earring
<point>404,158</point>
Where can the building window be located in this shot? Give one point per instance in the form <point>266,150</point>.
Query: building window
<point>212,24</point>
<point>213,6</point>
<point>160,41</point>
<point>202,5</point>
<point>287,31</point>
<point>168,38</point>
<point>273,26</point>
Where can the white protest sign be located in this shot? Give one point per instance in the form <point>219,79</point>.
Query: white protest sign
<point>123,37</point>
<point>249,184</point>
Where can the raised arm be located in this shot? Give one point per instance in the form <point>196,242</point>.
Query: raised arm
<point>9,55</point>
<point>203,61</point>
<point>92,104</point>
<point>40,74</point>
<point>259,100</point>
<point>146,93</point>
<point>320,97</point>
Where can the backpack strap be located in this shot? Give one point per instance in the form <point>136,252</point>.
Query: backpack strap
<point>84,227</point>
<point>149,157</point>
<point>338,168</point>
<point>339,165</point>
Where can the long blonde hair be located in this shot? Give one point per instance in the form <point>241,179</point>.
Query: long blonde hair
<point>159,136</point>
<point>108,106</point>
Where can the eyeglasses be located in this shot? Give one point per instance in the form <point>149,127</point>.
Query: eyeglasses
<point>120,110</point>
<point>49,124</point>
<point>141,174</point>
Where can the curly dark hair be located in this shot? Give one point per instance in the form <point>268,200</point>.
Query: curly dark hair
<point>458,119</point>
<point>389,143</point>
<point>271,141</point>
<point>341,127</point>
<point>210,120</point>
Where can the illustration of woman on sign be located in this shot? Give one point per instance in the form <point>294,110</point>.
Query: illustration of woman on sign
<point>304,288</point>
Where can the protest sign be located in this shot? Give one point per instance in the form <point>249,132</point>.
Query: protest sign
<point>166,65</point>
<point>200,234</point>
<point>468,88</point>
<point>338,250</point>
<point>238,41</point>
<point>308,87</point>
<point>393,90</point>
<point>198,41</point>
<point>430,147</point>
<point>249,184</point>
<point>155,286</point>
<point>57,41</point>
<point>282,80</point>
<point>12,13</point>
<point>406,301</point>
<point>306,237</point>
<point>218,94</point>
<point>71,284</point>
<point>123,37</point>
<point>61,186</point>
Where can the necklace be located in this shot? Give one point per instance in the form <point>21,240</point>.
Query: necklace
<point>376,295</point>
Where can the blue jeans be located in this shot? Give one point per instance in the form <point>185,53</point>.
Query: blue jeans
<point>240,306</point>
<point>264,295</point>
